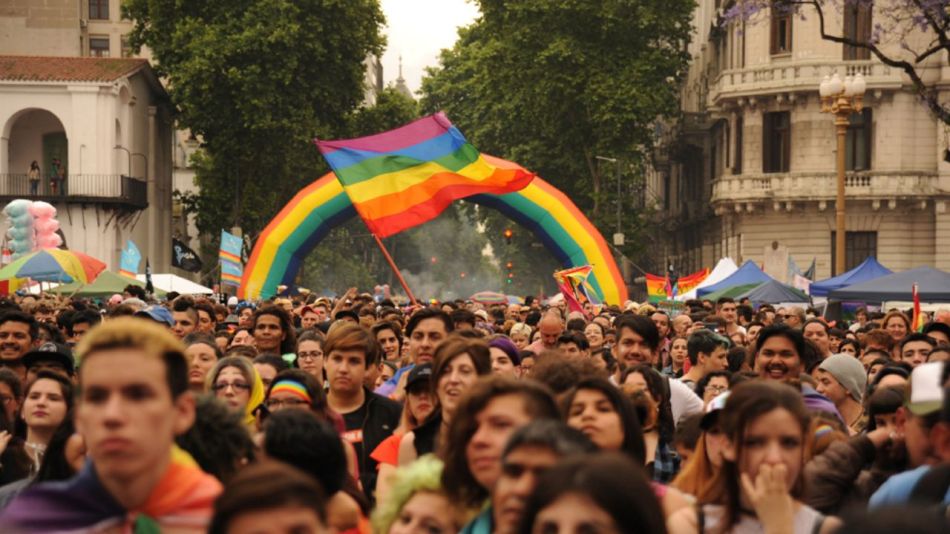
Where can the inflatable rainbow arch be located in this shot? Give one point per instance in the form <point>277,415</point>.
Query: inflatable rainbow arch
<point>323,205</point>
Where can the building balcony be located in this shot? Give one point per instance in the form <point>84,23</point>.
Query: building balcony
<point>745,84</point>
<point>821,187</point>
<point>107,189</point>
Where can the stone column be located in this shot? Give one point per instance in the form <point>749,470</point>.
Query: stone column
<point>155,252</point>
<point>942,234</point>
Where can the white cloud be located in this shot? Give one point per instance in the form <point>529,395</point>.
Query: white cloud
<point>417,30</point>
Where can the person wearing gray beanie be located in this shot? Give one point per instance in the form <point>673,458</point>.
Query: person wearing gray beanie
<point>842,379</point>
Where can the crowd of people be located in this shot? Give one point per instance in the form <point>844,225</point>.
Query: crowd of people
<point>357,415</point>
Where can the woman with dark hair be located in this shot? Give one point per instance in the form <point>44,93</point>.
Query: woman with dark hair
<point>64,457</point>
<point>849,346</point>
<point>457,364</point>
<point>47,400</point>
<point>602,492</point>
<point>605,415</point>
<point>712,385</point>
<point>678,355</point>
<point>596,336</point>
<point>491,411</point>
<point>660,456</point>
<point>759,487</point>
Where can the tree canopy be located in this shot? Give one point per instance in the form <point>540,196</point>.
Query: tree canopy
<point>255,81</point>
<point>553,84</point>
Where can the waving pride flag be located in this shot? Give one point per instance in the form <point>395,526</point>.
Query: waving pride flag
<point>407,176</point>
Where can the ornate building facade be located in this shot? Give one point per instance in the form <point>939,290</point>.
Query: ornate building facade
<point>749,171</point>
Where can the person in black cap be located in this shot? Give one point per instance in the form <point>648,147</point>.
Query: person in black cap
<point>420,403</point>
<point>49,357</point>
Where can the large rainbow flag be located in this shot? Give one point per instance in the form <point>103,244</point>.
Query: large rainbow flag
<point>407,176</point>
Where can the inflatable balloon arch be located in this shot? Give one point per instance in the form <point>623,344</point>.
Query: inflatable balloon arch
<point>323,205</point>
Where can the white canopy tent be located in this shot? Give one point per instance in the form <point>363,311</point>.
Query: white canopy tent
<point>172,282</point>
<point>720,272</point>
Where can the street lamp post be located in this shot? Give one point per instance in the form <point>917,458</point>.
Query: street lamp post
<point>618,237</point>
<point>841,98</point>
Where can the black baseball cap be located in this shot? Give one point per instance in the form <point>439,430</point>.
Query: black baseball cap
<point>418,374</point>
<point>51,352</point>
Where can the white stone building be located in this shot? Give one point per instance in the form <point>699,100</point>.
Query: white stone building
<point>109,122</point>
<point>750,169</point>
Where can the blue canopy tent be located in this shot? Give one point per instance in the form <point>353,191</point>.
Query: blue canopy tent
<point>774,292</point>
<point>869,269</point>
<point>933,285</point>
<point>749,273</point>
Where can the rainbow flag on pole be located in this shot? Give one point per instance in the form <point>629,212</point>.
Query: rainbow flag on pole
<point>230,257</point>
<point>407,176</point>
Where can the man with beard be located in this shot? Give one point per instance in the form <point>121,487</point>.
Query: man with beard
<point>778,356</point>
<point>18,335</point>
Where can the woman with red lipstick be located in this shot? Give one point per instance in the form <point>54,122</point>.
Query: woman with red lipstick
<point>47,400</point>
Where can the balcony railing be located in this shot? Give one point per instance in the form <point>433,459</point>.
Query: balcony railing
<point>783,77</point>
<point>822,186</point>
<point>77,188</point>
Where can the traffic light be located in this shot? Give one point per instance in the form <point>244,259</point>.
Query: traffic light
<point>509,265</point>
<point>508,233</point>
<point>433,260</point>
<point>461,275</point>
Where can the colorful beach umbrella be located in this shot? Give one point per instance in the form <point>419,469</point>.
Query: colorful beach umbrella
<point>55,265</point>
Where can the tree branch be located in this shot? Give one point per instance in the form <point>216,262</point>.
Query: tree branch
<point>929,95</point>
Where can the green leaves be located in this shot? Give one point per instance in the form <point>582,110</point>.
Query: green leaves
<point>257,80</point>
<point>553,83</point>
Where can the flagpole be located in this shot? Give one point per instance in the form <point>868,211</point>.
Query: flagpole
<point>392,265</point>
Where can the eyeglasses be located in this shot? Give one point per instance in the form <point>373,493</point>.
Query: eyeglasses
<point>720,389</point>
<point>786,316</point>
<point>277,404</point>
<point>238,386</point>
<point>309,355</point>
<point>5,399</point>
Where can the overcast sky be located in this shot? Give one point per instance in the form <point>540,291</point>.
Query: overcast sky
<point>418,30</point>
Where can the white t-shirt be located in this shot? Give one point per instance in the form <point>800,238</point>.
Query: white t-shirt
<point>683,400</point>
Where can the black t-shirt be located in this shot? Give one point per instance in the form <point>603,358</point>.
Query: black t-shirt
<point>353,422</point>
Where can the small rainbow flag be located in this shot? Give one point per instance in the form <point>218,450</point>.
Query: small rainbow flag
<point>686,283</point>
<point>657,287</point>
<point>407,176</point>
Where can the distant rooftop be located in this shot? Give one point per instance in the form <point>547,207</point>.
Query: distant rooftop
<point>67,69</point>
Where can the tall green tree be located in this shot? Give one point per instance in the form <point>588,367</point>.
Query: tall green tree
<point>553,84</point>
<point>256,80</point>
